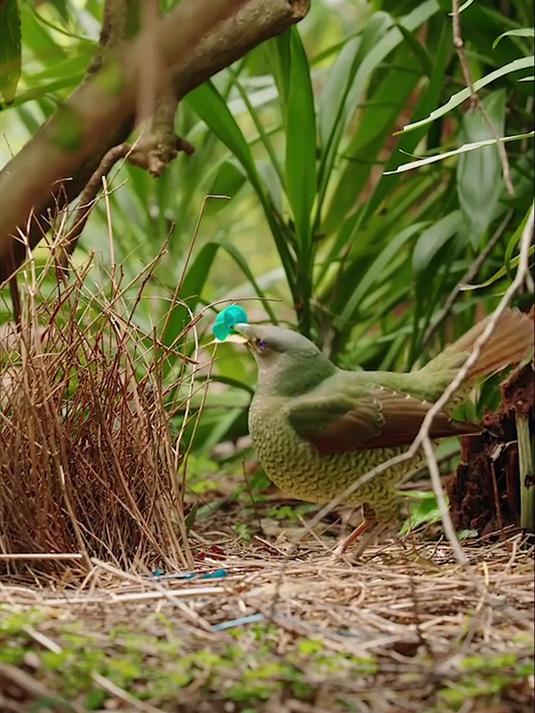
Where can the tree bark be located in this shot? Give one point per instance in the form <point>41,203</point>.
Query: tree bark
<point>196,40</point>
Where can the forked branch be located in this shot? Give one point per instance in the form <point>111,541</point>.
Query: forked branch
<point>196,40</point>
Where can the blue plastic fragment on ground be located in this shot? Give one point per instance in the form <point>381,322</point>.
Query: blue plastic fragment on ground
<point>160,575</point>
<point>216,574</point>
<point>232,623</point>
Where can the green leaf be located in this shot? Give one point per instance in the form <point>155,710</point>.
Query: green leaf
<point>62,7</point>
<point>38,39</point>
<point>280,51</point>
<point>300,166</point>
<point>429,97</point>
<point>75,63</point>
<point>418,50</point>
<point>423,509</point>
<point>515,238</point>
<point>462,149</point>
<point>336,88</point>
<point>376,124</point>
<point>464,94</point>
<point>10,49</point>
<point>502,272</point>
<point>520,32</point>
<point>242,263</point>
<point>335,107</point>
<point>39,91</point>
<point>375,270</point>
<point>509,263</point>
<point>479,173</point>
<point>434,238</point>
<point>190,293</point>
<point>377,43</point>
<point>271,179</point>
<point>210,106</point>
<point>382,46</point>
<point>228,181</point>
<point>262,133</point>
<point>360,237</point>
<point>464,6</point>
<point>195,280</point>
<point>332,106</point>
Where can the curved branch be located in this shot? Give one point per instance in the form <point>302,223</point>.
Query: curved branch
<point>194,41</point>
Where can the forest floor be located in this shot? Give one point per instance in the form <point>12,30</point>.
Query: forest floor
<point>258,631</point>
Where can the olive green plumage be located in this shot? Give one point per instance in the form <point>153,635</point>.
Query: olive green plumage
<point>317,429</point>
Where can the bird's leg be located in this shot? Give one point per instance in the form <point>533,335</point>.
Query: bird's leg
<point>346,542</point>
<point>368,525</point>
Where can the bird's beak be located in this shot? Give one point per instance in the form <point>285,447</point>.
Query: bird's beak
<point>246,333</point>
<point>236,336</point>
<point>244,330</point>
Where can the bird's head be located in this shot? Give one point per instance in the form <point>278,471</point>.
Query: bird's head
<point>287,361</point>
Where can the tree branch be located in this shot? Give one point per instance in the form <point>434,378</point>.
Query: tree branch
<point>194,41</point>
<point>112,33</point>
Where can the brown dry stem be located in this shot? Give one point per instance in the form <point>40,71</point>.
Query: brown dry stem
<point>414,626</point>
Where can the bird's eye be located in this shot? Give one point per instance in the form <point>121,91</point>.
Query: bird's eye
<point>260,345</point>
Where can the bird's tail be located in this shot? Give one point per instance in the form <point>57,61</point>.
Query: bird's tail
<point>510,343</point>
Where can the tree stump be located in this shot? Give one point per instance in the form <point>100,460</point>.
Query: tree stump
<point>484,492</point>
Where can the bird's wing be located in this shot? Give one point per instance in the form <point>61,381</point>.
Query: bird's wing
<point>374,418</point>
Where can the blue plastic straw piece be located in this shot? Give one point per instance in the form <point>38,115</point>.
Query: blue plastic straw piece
<point>160,576</point>
<point>232,623</point>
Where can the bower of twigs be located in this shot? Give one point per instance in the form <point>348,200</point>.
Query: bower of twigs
<point>87,462</point>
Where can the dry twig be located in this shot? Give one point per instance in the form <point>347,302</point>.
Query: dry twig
<point>100,485</point>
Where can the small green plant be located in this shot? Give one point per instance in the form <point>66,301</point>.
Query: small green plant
<point>423,509</point>
<point>243,531</point>
<point>291,513</point>
<point>482,678</point>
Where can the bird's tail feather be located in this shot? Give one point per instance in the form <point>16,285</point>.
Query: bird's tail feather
<point>510,343</point>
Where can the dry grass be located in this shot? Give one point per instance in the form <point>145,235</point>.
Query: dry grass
<point>385,634</point>
<point>88,462</point>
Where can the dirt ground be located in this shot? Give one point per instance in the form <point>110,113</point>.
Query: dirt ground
<point>258,631</point>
